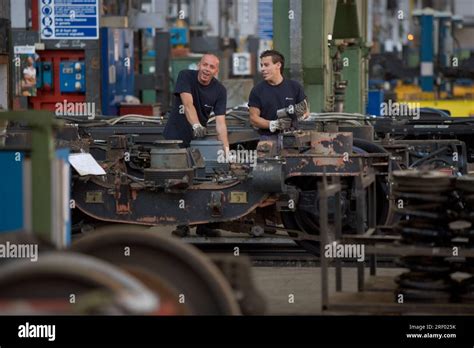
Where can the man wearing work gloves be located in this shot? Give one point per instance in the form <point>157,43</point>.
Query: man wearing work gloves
<point>197,94</point>
<point>275,102</point>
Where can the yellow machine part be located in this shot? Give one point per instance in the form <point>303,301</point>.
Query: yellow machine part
<point>458,108</point>
<point>463,92</point>
<point>406,92</point>
<point>462,106</point>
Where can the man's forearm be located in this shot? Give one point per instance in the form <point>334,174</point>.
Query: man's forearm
<point>260,122</point>
<point>221,129</point>
<point>191,114</point>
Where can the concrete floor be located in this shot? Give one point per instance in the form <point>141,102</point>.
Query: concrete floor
<point>294,290</point>
<point>276,284</point>
<point>304,283</point>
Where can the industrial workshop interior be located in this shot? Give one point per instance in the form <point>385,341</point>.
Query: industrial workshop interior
<point>307,165</point>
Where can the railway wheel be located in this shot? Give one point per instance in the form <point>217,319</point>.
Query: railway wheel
<point>308,222</point>
<point>173,269</point>
<point>48,285</point>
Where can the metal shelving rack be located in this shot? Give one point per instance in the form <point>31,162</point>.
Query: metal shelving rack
<point>378,294</point>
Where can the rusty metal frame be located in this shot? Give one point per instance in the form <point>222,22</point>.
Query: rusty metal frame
<point>365,208</point>
<point>328,190</point>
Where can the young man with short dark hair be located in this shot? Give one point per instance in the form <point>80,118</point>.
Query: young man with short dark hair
<point>273,94</point>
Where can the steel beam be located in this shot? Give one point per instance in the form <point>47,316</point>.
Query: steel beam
<point>281,30</point>
<point>353,72</point>
<point>315,53</point>
<point>296,38</point>
<point>305,47</point>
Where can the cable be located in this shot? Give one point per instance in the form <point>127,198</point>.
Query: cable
<point>431,155</point>
<point>135,118</point>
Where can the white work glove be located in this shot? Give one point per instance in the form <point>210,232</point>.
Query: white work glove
<point>274,126</point>
<point>199,131</point>
<point>280,124</point>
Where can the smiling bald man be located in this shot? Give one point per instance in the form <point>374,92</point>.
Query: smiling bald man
<point>198,94</point>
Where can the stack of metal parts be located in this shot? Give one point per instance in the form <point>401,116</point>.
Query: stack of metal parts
<point>465,190</point>
<point>437,211</point>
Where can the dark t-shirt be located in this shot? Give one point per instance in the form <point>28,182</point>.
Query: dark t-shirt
<point>206,99</point>
<point>270,98</point>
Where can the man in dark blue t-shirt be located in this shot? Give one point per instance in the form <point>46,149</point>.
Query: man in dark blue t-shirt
<point>273,94</point>
<point>197,95</point>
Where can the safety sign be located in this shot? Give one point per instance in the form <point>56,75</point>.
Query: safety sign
<point>69,19</point>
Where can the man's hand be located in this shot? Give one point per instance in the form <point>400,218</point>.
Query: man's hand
<point>280,124</point>
<point>284,117</point>
<point>274,126</point>
<point>230,156</point>
<point>199,131</point>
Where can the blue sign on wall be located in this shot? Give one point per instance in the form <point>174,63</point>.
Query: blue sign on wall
<point>69,19</point>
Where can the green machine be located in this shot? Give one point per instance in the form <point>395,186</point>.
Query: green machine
<point>182,63</point>
<point>48,177</point>
<point>176,65</point>
<point>148,68</point>
<point>310,34</point>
